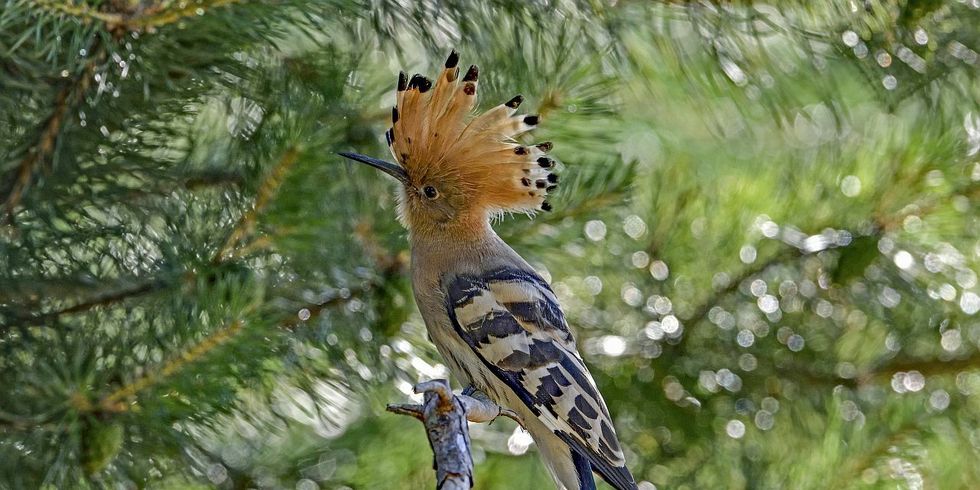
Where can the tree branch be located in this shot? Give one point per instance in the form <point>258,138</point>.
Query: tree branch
<point>445,423</point>
<point>700,311</point>
<point>883,373</point>
<point>445,416</point>
<point>104,299</point>
<point>117,400</point>
<point>138,17</point>
<point>37,155</point>
<point>928,367</point>
<point>157,16</point>
<point>266,192</point>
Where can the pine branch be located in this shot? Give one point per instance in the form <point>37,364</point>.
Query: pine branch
<point>158,16</point>
<point>105,299</point>
<point>883,224</point>
<point>266,192</point>
<point>928,367</point>
<point>213,179</point>
<point>64,101</point>
<point>83,12</point>
<point>116,401</point>
<point>700,311</point>
<point>98,301</point>
<point>856,466</point>
<point>133,20</point>
<point>884,373</point>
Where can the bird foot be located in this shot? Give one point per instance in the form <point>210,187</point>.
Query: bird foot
<point>481,409</point>
<point>478,406</point>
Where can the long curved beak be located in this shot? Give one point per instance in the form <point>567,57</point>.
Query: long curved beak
<point>389,168</point>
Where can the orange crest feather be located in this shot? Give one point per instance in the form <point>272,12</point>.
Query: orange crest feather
<point>434,138</point>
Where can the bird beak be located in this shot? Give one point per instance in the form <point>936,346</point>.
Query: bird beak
<point>389,168</point>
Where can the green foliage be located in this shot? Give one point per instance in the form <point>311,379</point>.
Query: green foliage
<point>766,238</point>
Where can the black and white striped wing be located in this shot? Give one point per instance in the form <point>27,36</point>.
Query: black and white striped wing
<point>512,320</point>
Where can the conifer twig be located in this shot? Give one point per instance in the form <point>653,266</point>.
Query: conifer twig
<point>116,401</point>
<point>38,154</point>
<point>702,309</point>
<point>138,18</point>
<point>927,367</point>
<point>854,466</point>
<point>83,12</point>
<point>158,17</point>
<point>102,299</point>
<point>266,192</point>
<point>884,224</point>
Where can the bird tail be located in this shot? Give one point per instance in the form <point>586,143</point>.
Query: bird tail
<point>570,466</point>
<point>569,469</point>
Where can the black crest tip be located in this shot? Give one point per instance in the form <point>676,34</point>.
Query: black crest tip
<point>452,60</point>
<point>531,120</point>
<point>419,82</point>
<point>515,102</point>
<point>402,81</point>
<point>546,206</point>
<point>545,147</point>
<point>472,74</point>
<point>553,178</point>
<point>546,162</point>
<point>414,81</point>
<point>394,115</point>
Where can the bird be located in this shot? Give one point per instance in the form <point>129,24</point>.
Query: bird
<point>497,324</point>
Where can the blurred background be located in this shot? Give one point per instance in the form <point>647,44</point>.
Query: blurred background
<point>766,240</point>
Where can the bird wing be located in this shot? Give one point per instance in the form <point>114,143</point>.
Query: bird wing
<point>513,322</point>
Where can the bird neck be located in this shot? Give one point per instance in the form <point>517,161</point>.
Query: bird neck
<point>454,238</point>
<point>457,235</point>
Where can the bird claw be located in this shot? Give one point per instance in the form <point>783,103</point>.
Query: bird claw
<point>481,409</point>
<point>478,406</point>
<point>506,412</point>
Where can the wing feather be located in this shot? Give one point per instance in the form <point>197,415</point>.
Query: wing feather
<point>512,321</point>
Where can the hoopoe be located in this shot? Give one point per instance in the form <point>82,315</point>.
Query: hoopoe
<point>495,321</point>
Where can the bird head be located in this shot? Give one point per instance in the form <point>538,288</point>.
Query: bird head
<point>457,170</point>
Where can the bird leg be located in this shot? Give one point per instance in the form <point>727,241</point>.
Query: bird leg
<point>480,408</point>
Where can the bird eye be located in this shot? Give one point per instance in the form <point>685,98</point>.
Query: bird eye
<point>430,192</point>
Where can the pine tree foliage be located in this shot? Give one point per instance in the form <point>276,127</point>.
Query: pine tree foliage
<point>766,238</point>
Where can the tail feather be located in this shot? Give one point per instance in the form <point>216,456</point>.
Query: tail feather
<point>584,470</point>
<point>617,476</point>
<point>571,464</point>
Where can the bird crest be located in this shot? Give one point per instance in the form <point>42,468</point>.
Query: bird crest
<point>435,137</point>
